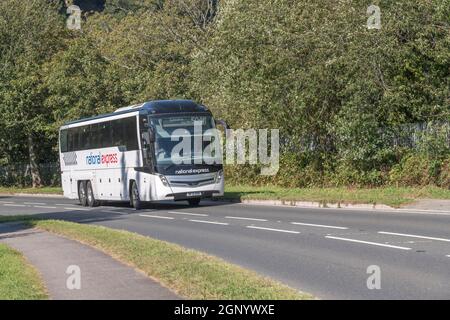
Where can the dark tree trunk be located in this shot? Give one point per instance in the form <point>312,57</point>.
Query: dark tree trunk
<point>34,169</point>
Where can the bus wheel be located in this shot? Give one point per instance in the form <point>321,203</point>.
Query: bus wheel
<point>91,202</point>
<point>135,197</point>
<point>194,202</point>
<point>82,195</point>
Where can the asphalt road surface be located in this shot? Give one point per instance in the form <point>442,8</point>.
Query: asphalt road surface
<point>326,252</point>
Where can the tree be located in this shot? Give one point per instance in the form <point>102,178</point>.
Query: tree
<point>30,33</point>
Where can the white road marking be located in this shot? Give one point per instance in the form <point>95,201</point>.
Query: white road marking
<point>156,217</point>
<point>35,203</point>
<point>368,242</point>
<point>188,213</point>
<point>242,218</point>
<point>45,207</point>
<point>448,256</point>
<point>8,202</point>
<point>14,205</point>
<point>413,236</point>
<point>318,225</point>
<point>211,222</point>
<point>270,229</point>
<point>115,212</point>
<point>76,209</point>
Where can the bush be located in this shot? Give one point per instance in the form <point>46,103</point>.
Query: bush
<point>444,177</point>
<point>413,170</point>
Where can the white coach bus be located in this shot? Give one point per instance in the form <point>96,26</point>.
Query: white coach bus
<point>127,156</point>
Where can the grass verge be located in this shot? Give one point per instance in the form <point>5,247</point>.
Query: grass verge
<point>389,195</point>
<point>192,274</point>
<point>18,279</point>
<point>44,190</point>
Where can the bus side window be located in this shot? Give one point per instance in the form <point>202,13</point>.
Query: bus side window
<point>105,135</point>
<point>63,141</point>
<point>117,133</point>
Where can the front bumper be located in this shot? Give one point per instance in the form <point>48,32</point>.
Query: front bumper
<point>193,195</point>
<point>174,192</point>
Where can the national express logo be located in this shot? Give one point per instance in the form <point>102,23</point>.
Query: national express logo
<point>99,159</point>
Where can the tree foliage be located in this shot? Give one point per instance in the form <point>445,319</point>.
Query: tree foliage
<point>341,94</point>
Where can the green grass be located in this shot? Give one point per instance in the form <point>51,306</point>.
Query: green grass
<point>44,190</point>
<point>18,279</point>
<point>191,274</point>
<point>389,195</point>
<point>392,196</point>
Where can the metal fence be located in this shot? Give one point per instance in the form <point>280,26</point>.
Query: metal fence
<point>413,136</point>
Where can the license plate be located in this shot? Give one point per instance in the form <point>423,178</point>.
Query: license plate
<point>194,194</point>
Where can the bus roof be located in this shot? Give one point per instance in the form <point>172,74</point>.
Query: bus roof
<point>153,107</point>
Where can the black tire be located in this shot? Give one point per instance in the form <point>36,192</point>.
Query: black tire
<point>82,193</point>
<point>91,202</point>
<point>194,202</point>
<point>135,198</point>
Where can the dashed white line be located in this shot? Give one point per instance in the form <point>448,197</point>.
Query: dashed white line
<point>318,225</point>
<point>242,218</point>
<point>156,217</point>
<point>413,236</point>
<point>44,207</point>
<point>369,243</point>
<point>76,209</point>
<point>35,203</point>
<point>115,212</point>
<point>448,256</point>
<point>188,213</point>
<point>7,202</point>
<point>14,205</point>
<point>271,229</point>
<point>210,222</point>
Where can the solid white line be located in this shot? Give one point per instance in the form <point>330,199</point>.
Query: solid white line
<point>242,218</point>
<point>413,236</point>
<point>318,225</point>
<point>188,213</point>
<point>367,242</point>
<point>14,205</point>
<point>45,207</point>
<point>210,222</point>
<point>270,229</point>
<point>35,203</point>
<point>157,217</point>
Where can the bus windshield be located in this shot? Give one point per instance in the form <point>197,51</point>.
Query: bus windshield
<point>174,139</point>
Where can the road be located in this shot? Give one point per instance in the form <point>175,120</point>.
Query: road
<point>325,252</point>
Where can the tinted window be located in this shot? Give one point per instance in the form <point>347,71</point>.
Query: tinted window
<point>117,133</point>
<point>130,134</point>
<point>105,135</point>
<point>63,140</point>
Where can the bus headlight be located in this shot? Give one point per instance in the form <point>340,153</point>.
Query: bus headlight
<point>164,180</point>
<point>219,176</point>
